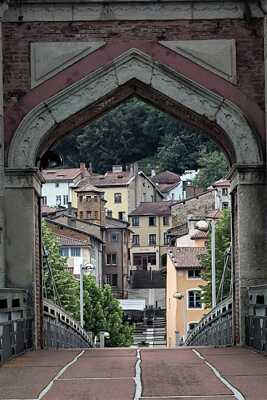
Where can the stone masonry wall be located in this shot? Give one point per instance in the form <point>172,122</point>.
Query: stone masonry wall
<point>248,35</point>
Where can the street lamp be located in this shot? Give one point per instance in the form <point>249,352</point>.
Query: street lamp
<point>83,268</point>
<point>204,227</point>
<point>180,296</point>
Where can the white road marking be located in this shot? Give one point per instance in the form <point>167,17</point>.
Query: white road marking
<point>137,379</point>
<point>61,372</point>
<point>96,379</point>
<point>217,396</point>
<point>238,395</point>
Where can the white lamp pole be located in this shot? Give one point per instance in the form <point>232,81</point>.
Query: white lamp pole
<point>81,295</point>
<point>204,227</point>
<point>213,262</point>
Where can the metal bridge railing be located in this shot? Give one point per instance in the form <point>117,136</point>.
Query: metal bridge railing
<point>256,321</point>
<point>215,328</point>
<point>61,330</point>
<point>16,326</point>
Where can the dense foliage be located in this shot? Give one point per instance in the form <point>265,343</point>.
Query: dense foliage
<point>101,310</point>
<point>103,313</point>
<point>212,167</point>
<point>222,241</point>
<point>135,131</point>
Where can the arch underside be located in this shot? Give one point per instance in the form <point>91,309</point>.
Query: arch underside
<point>134,73</point>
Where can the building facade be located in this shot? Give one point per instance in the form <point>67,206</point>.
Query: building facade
<point>123,190</point>
<point>184,308</point>
<point>57,189</point>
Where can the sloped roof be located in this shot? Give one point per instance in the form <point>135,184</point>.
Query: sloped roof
<point>186,257</point>
<point>214,214</point>
<point>109,179</point>
<point>166,177</point>
<point>71,242</point>
<point>165,188</point>
<point>197,234</point>
<point>88,188</point>
<point>115,223</point>
<point>153,208</point>
<point>60,174</point>
<point>221,183</point>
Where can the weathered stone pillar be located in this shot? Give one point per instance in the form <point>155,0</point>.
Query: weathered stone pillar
<point>249,228</point>
<point>23,239</point>
<point>3,8</point>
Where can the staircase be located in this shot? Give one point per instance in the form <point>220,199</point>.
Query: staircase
<point>151,333</point>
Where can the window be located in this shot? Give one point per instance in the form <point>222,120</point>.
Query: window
<point>75,252</point>
<point>152,198</point>
<point>108,279</point>
<point>141,260</point>
<point>58,200</point>
<point>121,215</point>
<point>152,221</point>
<point>166,239</point>
<point>152,239</point>
<point>114,237</point>
<point>225,192</point>
<point>64,251</point>
<point>225,204</point>
<point>112,259</point>
<point>44,201</point>
<point>194,299</point>
<point>80,198</point>
<point>114,280</point>
<point>65,199</point>
<point>95,199</point>
<point>88,214</point>
<point>57,185</point>
<point>135,221</point>
<point>166,220</point>
<point>144,194</point>
<point>193,274</point>
<point>117,197</point>
<point>81,214</point>
<point>109,213</point>
<point>135,240</point>
<point>96,214</point>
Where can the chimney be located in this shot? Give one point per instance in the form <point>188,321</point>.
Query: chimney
<point>134,169</point>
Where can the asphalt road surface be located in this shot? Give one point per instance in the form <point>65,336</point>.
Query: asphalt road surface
<point>139,374</point>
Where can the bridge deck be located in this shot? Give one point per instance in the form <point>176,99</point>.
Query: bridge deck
<point>115,375</point>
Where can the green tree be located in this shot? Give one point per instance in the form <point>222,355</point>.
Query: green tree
<point>131,132</point>
<point>213,166</point>
<point>66,285</point>
<point>103,313</point>
<point>222,240</point>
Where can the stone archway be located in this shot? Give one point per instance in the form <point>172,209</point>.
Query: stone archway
<point>138,72</point>
<point>38,124</point>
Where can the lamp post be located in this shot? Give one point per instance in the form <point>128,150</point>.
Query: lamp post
<point>180,296</point>
<point>204,227</point>
<point>86,267</point>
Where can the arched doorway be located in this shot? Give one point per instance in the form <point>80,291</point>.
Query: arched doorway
<point>136,73</point>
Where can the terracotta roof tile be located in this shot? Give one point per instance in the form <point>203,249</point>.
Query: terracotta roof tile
<point>71,242</point>
<point>186,257</point>
<point>197,234</point>
<point>61,174</point>
<point>155,208</point>
<point>88,188</point>
<point>166,177</point>
<point>221,182</point>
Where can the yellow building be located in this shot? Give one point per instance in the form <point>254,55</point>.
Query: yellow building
<point>184,308</point>
<point>123,190</point>
<point>149,241</point>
